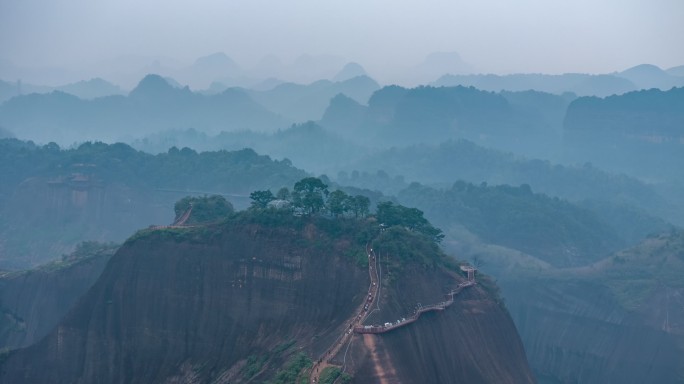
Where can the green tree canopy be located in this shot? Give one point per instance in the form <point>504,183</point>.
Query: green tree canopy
<point>360,205</point>
<point>391,214</point>
<point>338,203</point>
<point>260,199</point>
<point>204,208</point>
<point>283,194</point>
<point>309,194</point>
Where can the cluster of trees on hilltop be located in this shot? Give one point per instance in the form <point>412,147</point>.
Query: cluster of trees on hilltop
<point>204,208</point>
<point>310,196</point>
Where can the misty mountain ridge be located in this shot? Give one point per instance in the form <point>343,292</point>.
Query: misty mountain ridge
<point>434,65</point>
<point>307,145</point>
<point>676,71</point>
<point>610,131</point>
<point>580,84</point>
<point>397,116</point>
<point>84,89</point>
<point>308,102</point>
<point>647,76</point>
<point>350,71</point>
<point>644,76</point>
<point>447,67</point>
<point>472,163</point>
<point>154,105</point>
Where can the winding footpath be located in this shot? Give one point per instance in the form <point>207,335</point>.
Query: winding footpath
<point>361,314</point>
<point>364,310</point>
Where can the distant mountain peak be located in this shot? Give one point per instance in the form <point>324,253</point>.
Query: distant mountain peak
<point>216,65</point>
<point>647,76</point>
<point>644,69</point>
<point>350,71</point>
<point>218,58</point>
<point>446,62</point>
<point>151,84</point>
<point>676,71</point>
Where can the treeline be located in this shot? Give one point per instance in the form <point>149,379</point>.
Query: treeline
<point>551,229</point>
<point>310,196</point>
<point>224,171</point>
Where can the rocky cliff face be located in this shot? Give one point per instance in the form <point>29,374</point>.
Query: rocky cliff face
<point>458,345</point>
<point>577,332</point>
<point>619,321</point>
<point>235,302</point>
<point>33,302</point>
<point>66,211</point>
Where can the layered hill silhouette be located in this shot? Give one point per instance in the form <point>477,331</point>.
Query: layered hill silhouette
<point>152,106</point>
<point>645,76</point>
<point>308,145</point>
<point>580,84</point>
<point>308,102</point>
<point>349,71</point>
<point>84,89</point>
<point>397,116</point>
<point>609,131</point>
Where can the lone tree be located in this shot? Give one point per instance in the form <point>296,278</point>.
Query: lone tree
<point>260,199</point>
<point>309,194</point>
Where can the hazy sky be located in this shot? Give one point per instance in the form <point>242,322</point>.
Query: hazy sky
<point>500,36</point>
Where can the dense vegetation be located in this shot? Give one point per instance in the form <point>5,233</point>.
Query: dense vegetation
<point>450,161</point>
<point>644,113</point>
<point>184,168</point>
<point>610,131</point>
<point>403,232</point>
<point>549,228</point>
<point>204,208</point>
<point>311,196</point>
<point>307,145</point>
<point>51,198</point>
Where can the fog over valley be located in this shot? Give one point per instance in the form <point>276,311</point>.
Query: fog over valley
<point>341,192</point>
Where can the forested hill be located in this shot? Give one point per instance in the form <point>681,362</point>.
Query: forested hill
<point>639,132</point>
<point>647,114</point>
<point>51,199</point>
<point>472,163</point>
<point>400,116</point>
<point>553,230</point>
